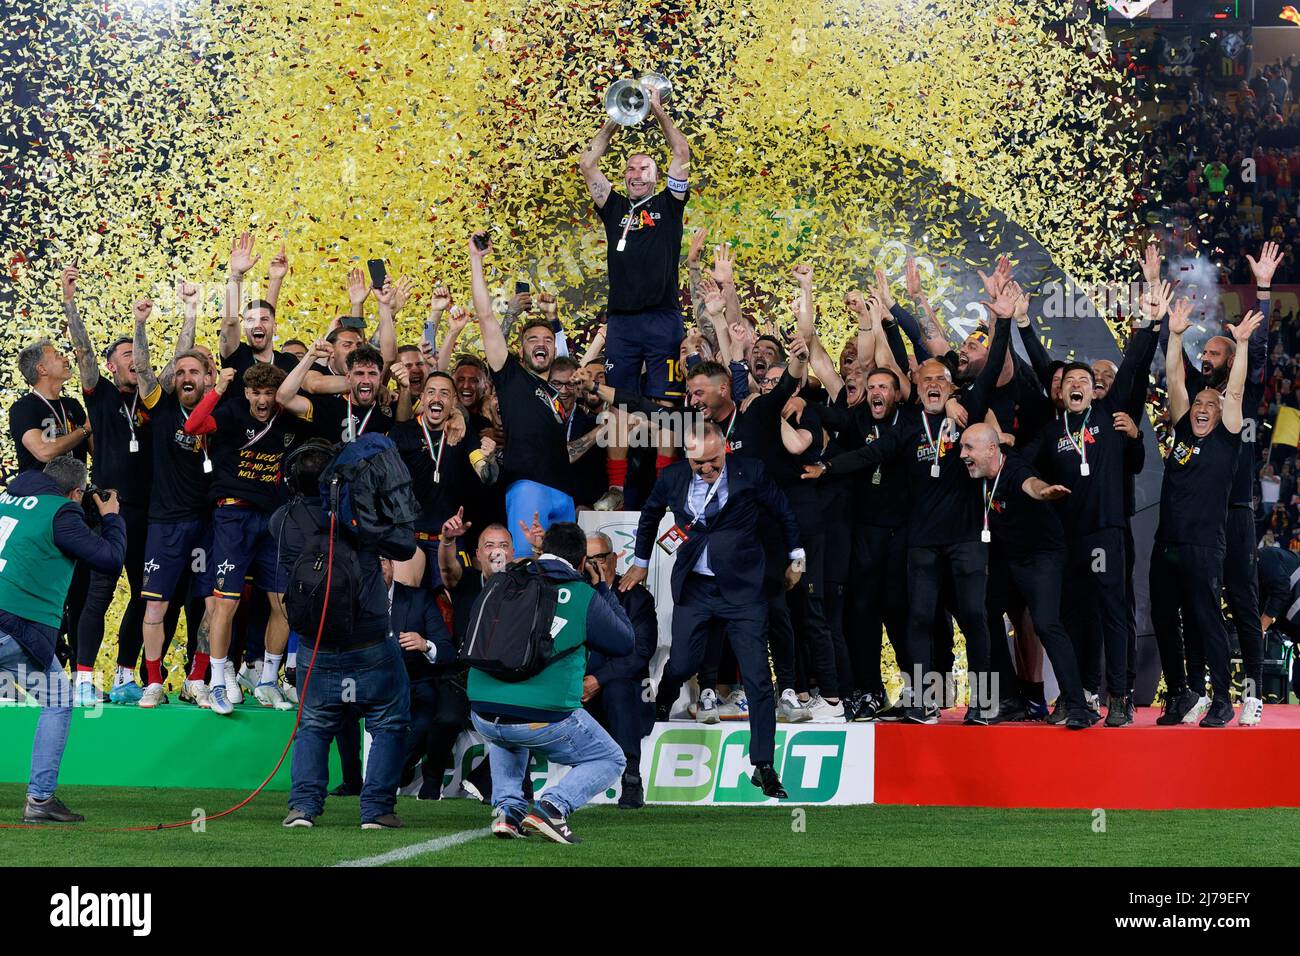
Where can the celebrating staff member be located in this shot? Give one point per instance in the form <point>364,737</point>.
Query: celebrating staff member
<point>45,533</point>
<point>1187,560</point>
<point>343,418</point>
<point>248,443</point>
<point>717,577</point>
<point>258,318</point>
<point>643,235</point>
<point>1026,557</point>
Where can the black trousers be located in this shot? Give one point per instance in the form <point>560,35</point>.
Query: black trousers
<point>1095,606</point>
<point>966,564</point>
<point>780,633</point>
<point>1130,562</point>
<point>878,603</point>
<point>1241,583</point>
<point>835,603</point>
<point>439,712</point>
<point>1185,584</point>
<point>629,719</point>
<point>1033,584</point>
<point>702,603</point>
<point>814,645</point>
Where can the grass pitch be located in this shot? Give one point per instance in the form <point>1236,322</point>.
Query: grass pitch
<point>654,836</point>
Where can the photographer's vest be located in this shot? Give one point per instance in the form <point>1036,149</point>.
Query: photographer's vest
<point>34,573</point>
<point>558,688</point>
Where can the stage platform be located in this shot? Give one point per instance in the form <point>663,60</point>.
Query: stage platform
<point>948,764</point>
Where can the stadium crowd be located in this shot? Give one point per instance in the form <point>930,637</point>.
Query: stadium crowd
<point>821,504</point>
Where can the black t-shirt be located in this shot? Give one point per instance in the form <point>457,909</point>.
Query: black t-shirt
<point>330,415</point>
<point>463,594</point>
<point>882,497</point>
<point>645,275</point>
<point>438,499</point>
<point>54,419</point>
<point>242,359</point>
<point>1021,526</point>
<point>246,454</point>
<point>756,433</point>
<point>1096,500</point>
<point>1198,478</point>
<point>1243,479</point>
<point>534,425</point>
<point>590,477</point>
<point>180,486</point>
<point>114,465</point>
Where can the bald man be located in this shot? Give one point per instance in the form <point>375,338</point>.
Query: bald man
<point>1026,560</point>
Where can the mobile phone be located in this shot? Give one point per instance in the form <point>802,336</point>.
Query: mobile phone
<point>521,288</point>
<point>431,335</point>
<point>352,322</point>
<point>377,273</point>
<point>481,240</point>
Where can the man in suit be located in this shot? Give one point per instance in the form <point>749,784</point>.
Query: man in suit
<point>614,689</point>
<point>427,652</point>
<point>717,500</point>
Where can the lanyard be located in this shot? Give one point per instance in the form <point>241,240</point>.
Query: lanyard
<point>622,241</point>
<point>726,438</point>
<point>934,444</point>
<point>875,431</point>
<point>1081,446</point>
<point>60,419</point>
<point>428,441</point>
<point>985,535</point>
<point>203,445</point>
<point>258,437</point>
<point>568,430</point>
<point>130,419</point>
<point>696,515</point>
<point>353,432</point>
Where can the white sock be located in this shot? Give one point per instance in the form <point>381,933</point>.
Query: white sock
<point>292,661</point>
<point>124,675</point>
<point>85,677</point>
<point>271,668</point>
<point>218,671</point>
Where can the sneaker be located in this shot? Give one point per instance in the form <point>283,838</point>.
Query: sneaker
<point>611,500</point>
<point>218,703</point>
<point>508,826</point>
<point>196,692</point>
<point>1092,700</point>
<point>386,821</point>
<point>790,709</point>
<point>1035,710</point>
<point>289,691</point>
<point>1130,708</point>
<point>550,823</point>
<point>824,712</point>
<point>297,818</point>
<point>268,695</point>
<point>735,706</point>
<point>1078,718</point>
<point>87,695</point>
<point>234,692</point>
<point>1199,709</point>
<point>1011,710</point>
<point>632,796</point>
<point>706,711</point>
<point>249,676</point>
<point>1060,713</point>
<point>977,717</point>
<point>1117,712</point>
<point>127,693</point>
<point>49,810</point>
<point>1218,714</point>
<point>152,696</point>
<point>892,714</point>
<point>921,715</point>
<point>869,707</point>
<point>1252,711</point>
<point>1178,704</point>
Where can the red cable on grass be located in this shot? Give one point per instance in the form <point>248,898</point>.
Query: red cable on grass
<point>329,576</point>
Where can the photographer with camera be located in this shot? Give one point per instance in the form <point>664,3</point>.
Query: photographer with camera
<point>44,533</point>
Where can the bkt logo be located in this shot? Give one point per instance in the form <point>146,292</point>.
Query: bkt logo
<point>692,764</point>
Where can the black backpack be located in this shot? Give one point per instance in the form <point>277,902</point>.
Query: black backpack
<point>306,592</point>
<point>509,633</point>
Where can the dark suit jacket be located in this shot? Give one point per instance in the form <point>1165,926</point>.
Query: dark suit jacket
<point>735,552</point>
<point>414,609</point>
<point>639,604</point>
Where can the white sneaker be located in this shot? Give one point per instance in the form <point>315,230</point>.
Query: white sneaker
<point>1252,711</point>
<point>1198,711</point>
<point>289,692</point>
<point>790,709</point>
<point>268,695</point>
<point>735,706</point>
<point>153,695</point>
<point>234,692</point>
<point>825,713</point>
<point>249,676</point>
<point>196,692</point>
<point>706,712</point>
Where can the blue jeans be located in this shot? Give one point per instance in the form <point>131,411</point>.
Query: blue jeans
<point>527,498</point>
<point>50,688</point>
<point>578,742</point>
<point>373,680</point>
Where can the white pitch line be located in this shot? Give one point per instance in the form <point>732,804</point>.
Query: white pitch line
<point>419,849</point>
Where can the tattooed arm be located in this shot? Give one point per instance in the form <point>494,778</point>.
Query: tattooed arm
<point>86,364</point>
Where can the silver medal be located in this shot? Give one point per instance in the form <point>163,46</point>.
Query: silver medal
<point>985,536</point>
<point>1084,469</point>
<point>934,470</point>
<point>207,466</point>
<point>134,446</point>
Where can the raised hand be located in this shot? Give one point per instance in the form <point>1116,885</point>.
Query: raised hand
<point>280,264</point>
<point>1149,261</point>
<point>1003,304</point>
<point>322,349</point>
<point>913,278</point>
<point>547,304</point>
<point>68,282</point>
<point>856,302</point>
<point>457,319</point>
<point>224,379</point>
<point>536,533</point>
<point>697,246</point>
<point>723,265</point>
<point>803,275</point>
<point>882,289</point>
<point>242,259</point>
<point>440,299</point>
<point>394,295</point>
<point>358,287</point>
<point>1021,309</point>
<point>187,292</point>
<point>401,376</point>
<point>455,526</point>
<point>1155,301</point>
<point>1243,330</point>
<point>475,253</point>
<point>1180,317</point>
<point>1266,264</point>
<point>141,310</point>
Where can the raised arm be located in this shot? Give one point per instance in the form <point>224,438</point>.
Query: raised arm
<point>1175,375</point>
<point>1232,399</point>
<point>679,166</point>
<point>495,348</point>
<point>287,394</point>
<point>278,270</point>
<point>457,319</point>
<point>1263,269</point>
<point>147,382</point>
<point>188,293</point>
<point>392,297</point>
<point>358,292</point>
<point>241,261</point>
<point>87,365</point>
<point>818,358</point>
<point>928,336</point>
<point>884,355</point>
<point>597,184</point>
